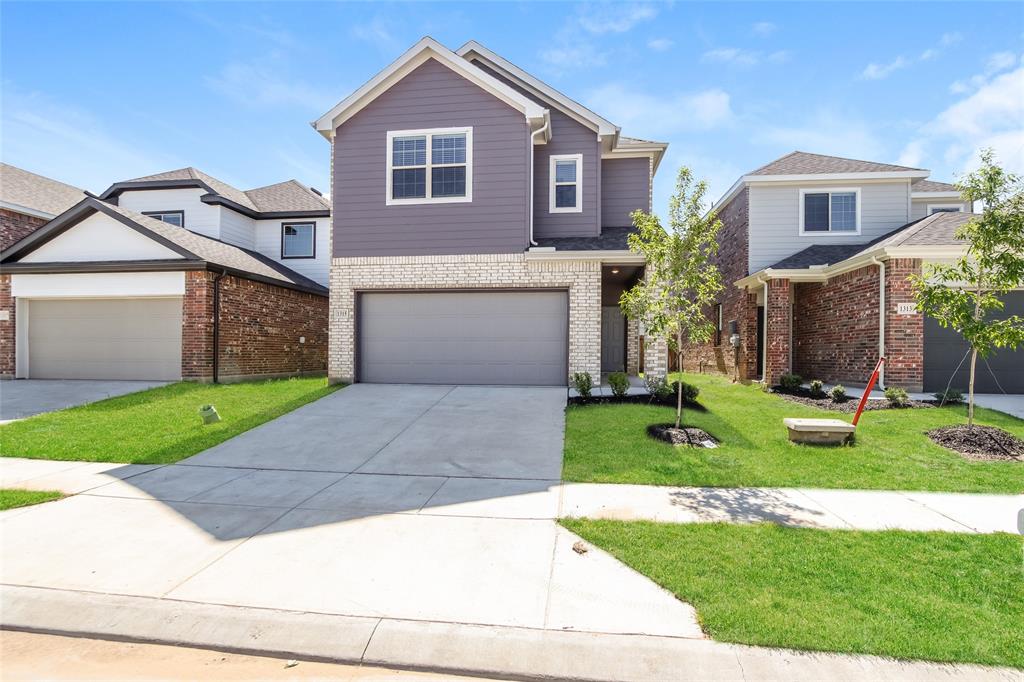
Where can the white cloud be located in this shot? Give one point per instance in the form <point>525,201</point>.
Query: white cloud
<point>950,39</point>
<point>573,56</point>
<point>378,32</point>
<point>740,57</point>
<point>764,28</point>
<point>614,18</point>
<point>1000,61</point>
<point>660,44</point>
<point>648,114</point>
<point>875,71</point>
<point>991,116</point>
<point>264,83</point>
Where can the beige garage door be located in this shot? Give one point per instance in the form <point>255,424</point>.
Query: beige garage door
<point>105,339</point>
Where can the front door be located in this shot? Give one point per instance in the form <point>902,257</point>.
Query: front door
<point>613,339</point>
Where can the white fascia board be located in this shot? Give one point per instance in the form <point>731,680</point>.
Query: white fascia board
<point>602,125</point>
<point>99,285</point>
<point>18,208</point>
<point>936,195</point>
<point>623,257</point>
<point>426,48</point>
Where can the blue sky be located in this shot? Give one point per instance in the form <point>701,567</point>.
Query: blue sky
<point>96,92</point>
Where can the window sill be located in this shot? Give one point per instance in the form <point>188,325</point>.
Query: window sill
<point>566,210</point>
<point>432,200</point>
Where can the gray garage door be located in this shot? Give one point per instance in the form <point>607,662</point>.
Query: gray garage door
<point>105,339</point>
<point>945,348</point>
<point>463,338</point>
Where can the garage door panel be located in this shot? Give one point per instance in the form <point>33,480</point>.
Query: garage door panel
<point>464,338</point>
<point>105,339</point>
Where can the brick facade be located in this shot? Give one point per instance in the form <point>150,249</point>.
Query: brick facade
<point>582,279</point>
<point>16,226</point>
<point>904,334</point>
<point>260,328</point>
<point>7,328</point>
<point>778,308</point>
<point>632,347</point>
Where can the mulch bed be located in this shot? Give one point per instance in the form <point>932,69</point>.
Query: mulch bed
<point>981,443</point>
<point>804,398</point>
<point>634,399</point>
<point>687,435</point>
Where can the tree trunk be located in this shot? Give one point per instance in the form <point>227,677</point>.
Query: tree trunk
<point>970,392</point>
<point>679,392</point>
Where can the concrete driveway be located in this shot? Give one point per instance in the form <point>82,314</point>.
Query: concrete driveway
<point>425,503</point>
<point>22,398</point>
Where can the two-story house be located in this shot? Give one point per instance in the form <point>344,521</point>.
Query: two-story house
<point>480,227</point>
<point>171,276</point>
<point>815,252</point>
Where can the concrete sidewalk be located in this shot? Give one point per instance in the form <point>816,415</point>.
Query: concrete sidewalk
<point>455,648</point>
<point>811,508</point>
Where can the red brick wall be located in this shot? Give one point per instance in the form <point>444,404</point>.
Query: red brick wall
<point>904,334</point>
<point>260,326</point>
<point>6,328</point>
<point>732,260</point>
<point>15,226</point>
<point>835,327</point>
<point>777,327</point>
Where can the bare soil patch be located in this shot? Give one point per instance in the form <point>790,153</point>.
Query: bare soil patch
<point>687,435</point>
<point>804,398</point>
<point>980,443</point>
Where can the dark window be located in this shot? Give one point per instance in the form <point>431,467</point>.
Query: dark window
<point>565,196</point>
<point>409,183</point>
<point>176,218</point>
<point>718,324</point>
<point>950,209</point>
<point>441,157</point>
<point>448,181</point>
<point>815,212</point>
<point>298,240</point>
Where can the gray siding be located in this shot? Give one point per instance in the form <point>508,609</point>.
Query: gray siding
<point>919,207</point>
<point>432,96</point>
<point>775,218</point>
<point>625,187</point>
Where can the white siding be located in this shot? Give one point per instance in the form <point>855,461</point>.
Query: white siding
<point>775,217</point>
<point>919,207</point>
<point>268,242</point>
<point>97,238</point>
<point>199,217</point>
<point>237,229</point>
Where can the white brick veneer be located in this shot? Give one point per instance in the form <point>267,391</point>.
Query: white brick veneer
<point>582,279</point>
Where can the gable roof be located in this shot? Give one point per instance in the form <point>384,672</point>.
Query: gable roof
<point>25,192</point>
<point>197,251</point>
<point>933,187</point>
<point>427,48</point>
<point>474,50</point>
<point>281,200</point>
<point>806,163</point>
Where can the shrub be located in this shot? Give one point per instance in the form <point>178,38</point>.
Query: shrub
<point>951,396</point>
<point>583,384</point>
<point>897,397</point>
<point>790,382</point>
<point>690,392</point>
<point>817,389</point>
<point>657,387</point>
<point>619,383</point>
<point>838,394</point>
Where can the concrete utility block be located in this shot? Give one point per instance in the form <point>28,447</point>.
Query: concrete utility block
<point>820,431</point>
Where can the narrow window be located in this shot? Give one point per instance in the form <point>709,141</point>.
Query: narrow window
<point>566,186</point>
<point>832,211</point>
<point>176,218</point>
<point>944,209</point>
<point>298,240</point>
<point>816,212</point>
<point>426,166</point>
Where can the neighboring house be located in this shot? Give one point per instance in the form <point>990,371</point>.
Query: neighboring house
<point>825,246</point>
<point>483,234</point>
<point>28,201</point>
<point>172,276</point>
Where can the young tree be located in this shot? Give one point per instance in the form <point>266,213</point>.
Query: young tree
<point>680,281</point>
<point>966,294</point>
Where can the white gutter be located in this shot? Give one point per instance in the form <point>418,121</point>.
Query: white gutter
<point>533,136</point>
<point>881,318</point>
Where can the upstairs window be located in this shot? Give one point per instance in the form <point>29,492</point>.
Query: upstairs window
<point>176,218</point>
<point>945,208</point>
<point>430,166</point>
<point>835,211</point>
<point>566,191</point>
<point>298,240</point>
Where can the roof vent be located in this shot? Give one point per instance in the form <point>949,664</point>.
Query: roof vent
<point>315,191</point>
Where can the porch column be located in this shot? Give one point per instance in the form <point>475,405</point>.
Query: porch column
<point>655,357</point>
<point>778,330</point>
<point>904,331</point>
<point>632,347</point>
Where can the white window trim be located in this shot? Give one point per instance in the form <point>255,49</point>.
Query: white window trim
<point>830,191</point>
<point>928,208</point>
<point>429,133</point>
<point>554,159</point>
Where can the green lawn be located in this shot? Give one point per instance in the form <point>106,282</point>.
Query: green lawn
<point>934,596</point>
<point>608,444</point>
<point>157,426</point>
<point>11,498</point>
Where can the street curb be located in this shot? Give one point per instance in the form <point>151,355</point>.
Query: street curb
<point>454,648</point>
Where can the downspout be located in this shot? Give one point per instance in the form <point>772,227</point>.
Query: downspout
<point>216,326</point>
<point>543,129</point>
<point>764,334</point>
<point>881,318</point>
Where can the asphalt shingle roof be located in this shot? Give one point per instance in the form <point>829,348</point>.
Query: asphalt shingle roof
<point>932,186</point>
<point>611,239</point>
<point>36,192</point>
<point>805,163</point>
